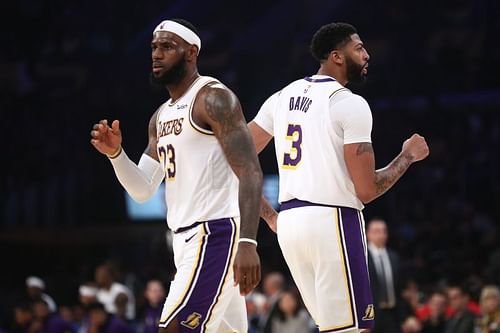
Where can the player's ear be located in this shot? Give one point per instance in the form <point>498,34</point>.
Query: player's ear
<point>192,53</point>
<point>336,56</point>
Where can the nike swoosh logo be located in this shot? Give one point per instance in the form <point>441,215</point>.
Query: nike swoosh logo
<point>188,239</point>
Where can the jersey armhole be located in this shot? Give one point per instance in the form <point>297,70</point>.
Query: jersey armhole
<point>193,124</point>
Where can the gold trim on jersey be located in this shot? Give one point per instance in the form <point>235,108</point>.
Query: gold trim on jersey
<point>191,282</point>
<point>224,282</point>
<point>336,91</point>
<point>172,103</point>
<point>190,113</point>
<point>338,221</point>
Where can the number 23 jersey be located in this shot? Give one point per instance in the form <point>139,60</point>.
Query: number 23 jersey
<point>199,182</point>
<point>311,120</point>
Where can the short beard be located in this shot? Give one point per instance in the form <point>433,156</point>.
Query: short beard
<point>355,72</point>
<point>172,76</point>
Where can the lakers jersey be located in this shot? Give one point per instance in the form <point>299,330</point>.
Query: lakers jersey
<point>311,120</point>
<point>200,184</point>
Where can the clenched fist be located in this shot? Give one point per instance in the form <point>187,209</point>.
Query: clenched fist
<point>416,147</point>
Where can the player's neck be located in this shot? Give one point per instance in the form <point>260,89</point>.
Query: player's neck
<point>178,89</point>
<point>336,74</point>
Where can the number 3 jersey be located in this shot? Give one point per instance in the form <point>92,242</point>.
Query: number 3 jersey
<point>200,184</point>
<point>311,120</point>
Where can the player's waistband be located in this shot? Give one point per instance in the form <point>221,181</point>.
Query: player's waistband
<point>296,203</point>
<point>183,229</point>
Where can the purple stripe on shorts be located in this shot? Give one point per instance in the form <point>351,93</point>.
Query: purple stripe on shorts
<point>215,265</point>
<point>353,237</point>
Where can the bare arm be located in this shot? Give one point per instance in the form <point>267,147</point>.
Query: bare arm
<point>225,117</point>
<point>261,139</point>
<point>370,183</point>
<point>152,137</point>
<point>229,126</point>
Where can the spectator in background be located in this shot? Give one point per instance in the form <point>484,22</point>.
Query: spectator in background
<point>116,297</point>
<point>87,294</point>
<point>383,265</point>
<point>155,297</point>
<point>435,320</point>
<point>66,313</point>
<point>47,321</point>
<point>462,320</point>
<point>101,321</point>
<point>290,316</point>
<point>273,286</point>
<point>490,308</point>
<point>255,303</point>
<point>411,299</point>
<point>23,316</point>
<point>35,289</point>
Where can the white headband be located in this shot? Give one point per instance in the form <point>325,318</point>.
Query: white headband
<point>34,281</point>
<point>185,33</point>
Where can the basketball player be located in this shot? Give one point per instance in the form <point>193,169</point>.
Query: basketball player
<point>200,144</point>
<point>327,172</point>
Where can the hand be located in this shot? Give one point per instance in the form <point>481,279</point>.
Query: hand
<point>246,268</point>
<point>416,147</point>
<point>105,139</point>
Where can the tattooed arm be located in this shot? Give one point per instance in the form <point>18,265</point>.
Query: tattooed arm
<point>370,183</point>
<point>221,111</point>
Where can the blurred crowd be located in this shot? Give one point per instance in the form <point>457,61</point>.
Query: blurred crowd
<point>108,306</point>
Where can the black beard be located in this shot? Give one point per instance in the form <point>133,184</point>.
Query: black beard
<point>172,76</point>
<point>355,72</point>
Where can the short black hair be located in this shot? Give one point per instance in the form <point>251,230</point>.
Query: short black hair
<point>187,24</point>
<point>330,37</point>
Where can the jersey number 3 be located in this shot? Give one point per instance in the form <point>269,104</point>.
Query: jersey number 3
<point>291,159</point>
<point>168,157</point>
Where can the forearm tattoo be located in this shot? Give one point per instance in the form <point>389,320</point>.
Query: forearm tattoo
<point>387,176</point>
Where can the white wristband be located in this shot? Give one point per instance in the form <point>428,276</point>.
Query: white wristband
<point>248,240</point>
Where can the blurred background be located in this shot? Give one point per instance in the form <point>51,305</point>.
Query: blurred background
<point>64,65</point>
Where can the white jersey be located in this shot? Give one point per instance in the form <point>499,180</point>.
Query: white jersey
<point>311,120</point>
<point>200,184</point>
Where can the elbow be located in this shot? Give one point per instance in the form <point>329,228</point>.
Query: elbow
<point>365,196</point>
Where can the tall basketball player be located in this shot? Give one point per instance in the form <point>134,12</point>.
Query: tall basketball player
<point>200,144</point>
<point>322,134</point>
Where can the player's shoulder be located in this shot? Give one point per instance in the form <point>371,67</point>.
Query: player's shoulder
<point>346,97</point>
<point>215,92</point>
